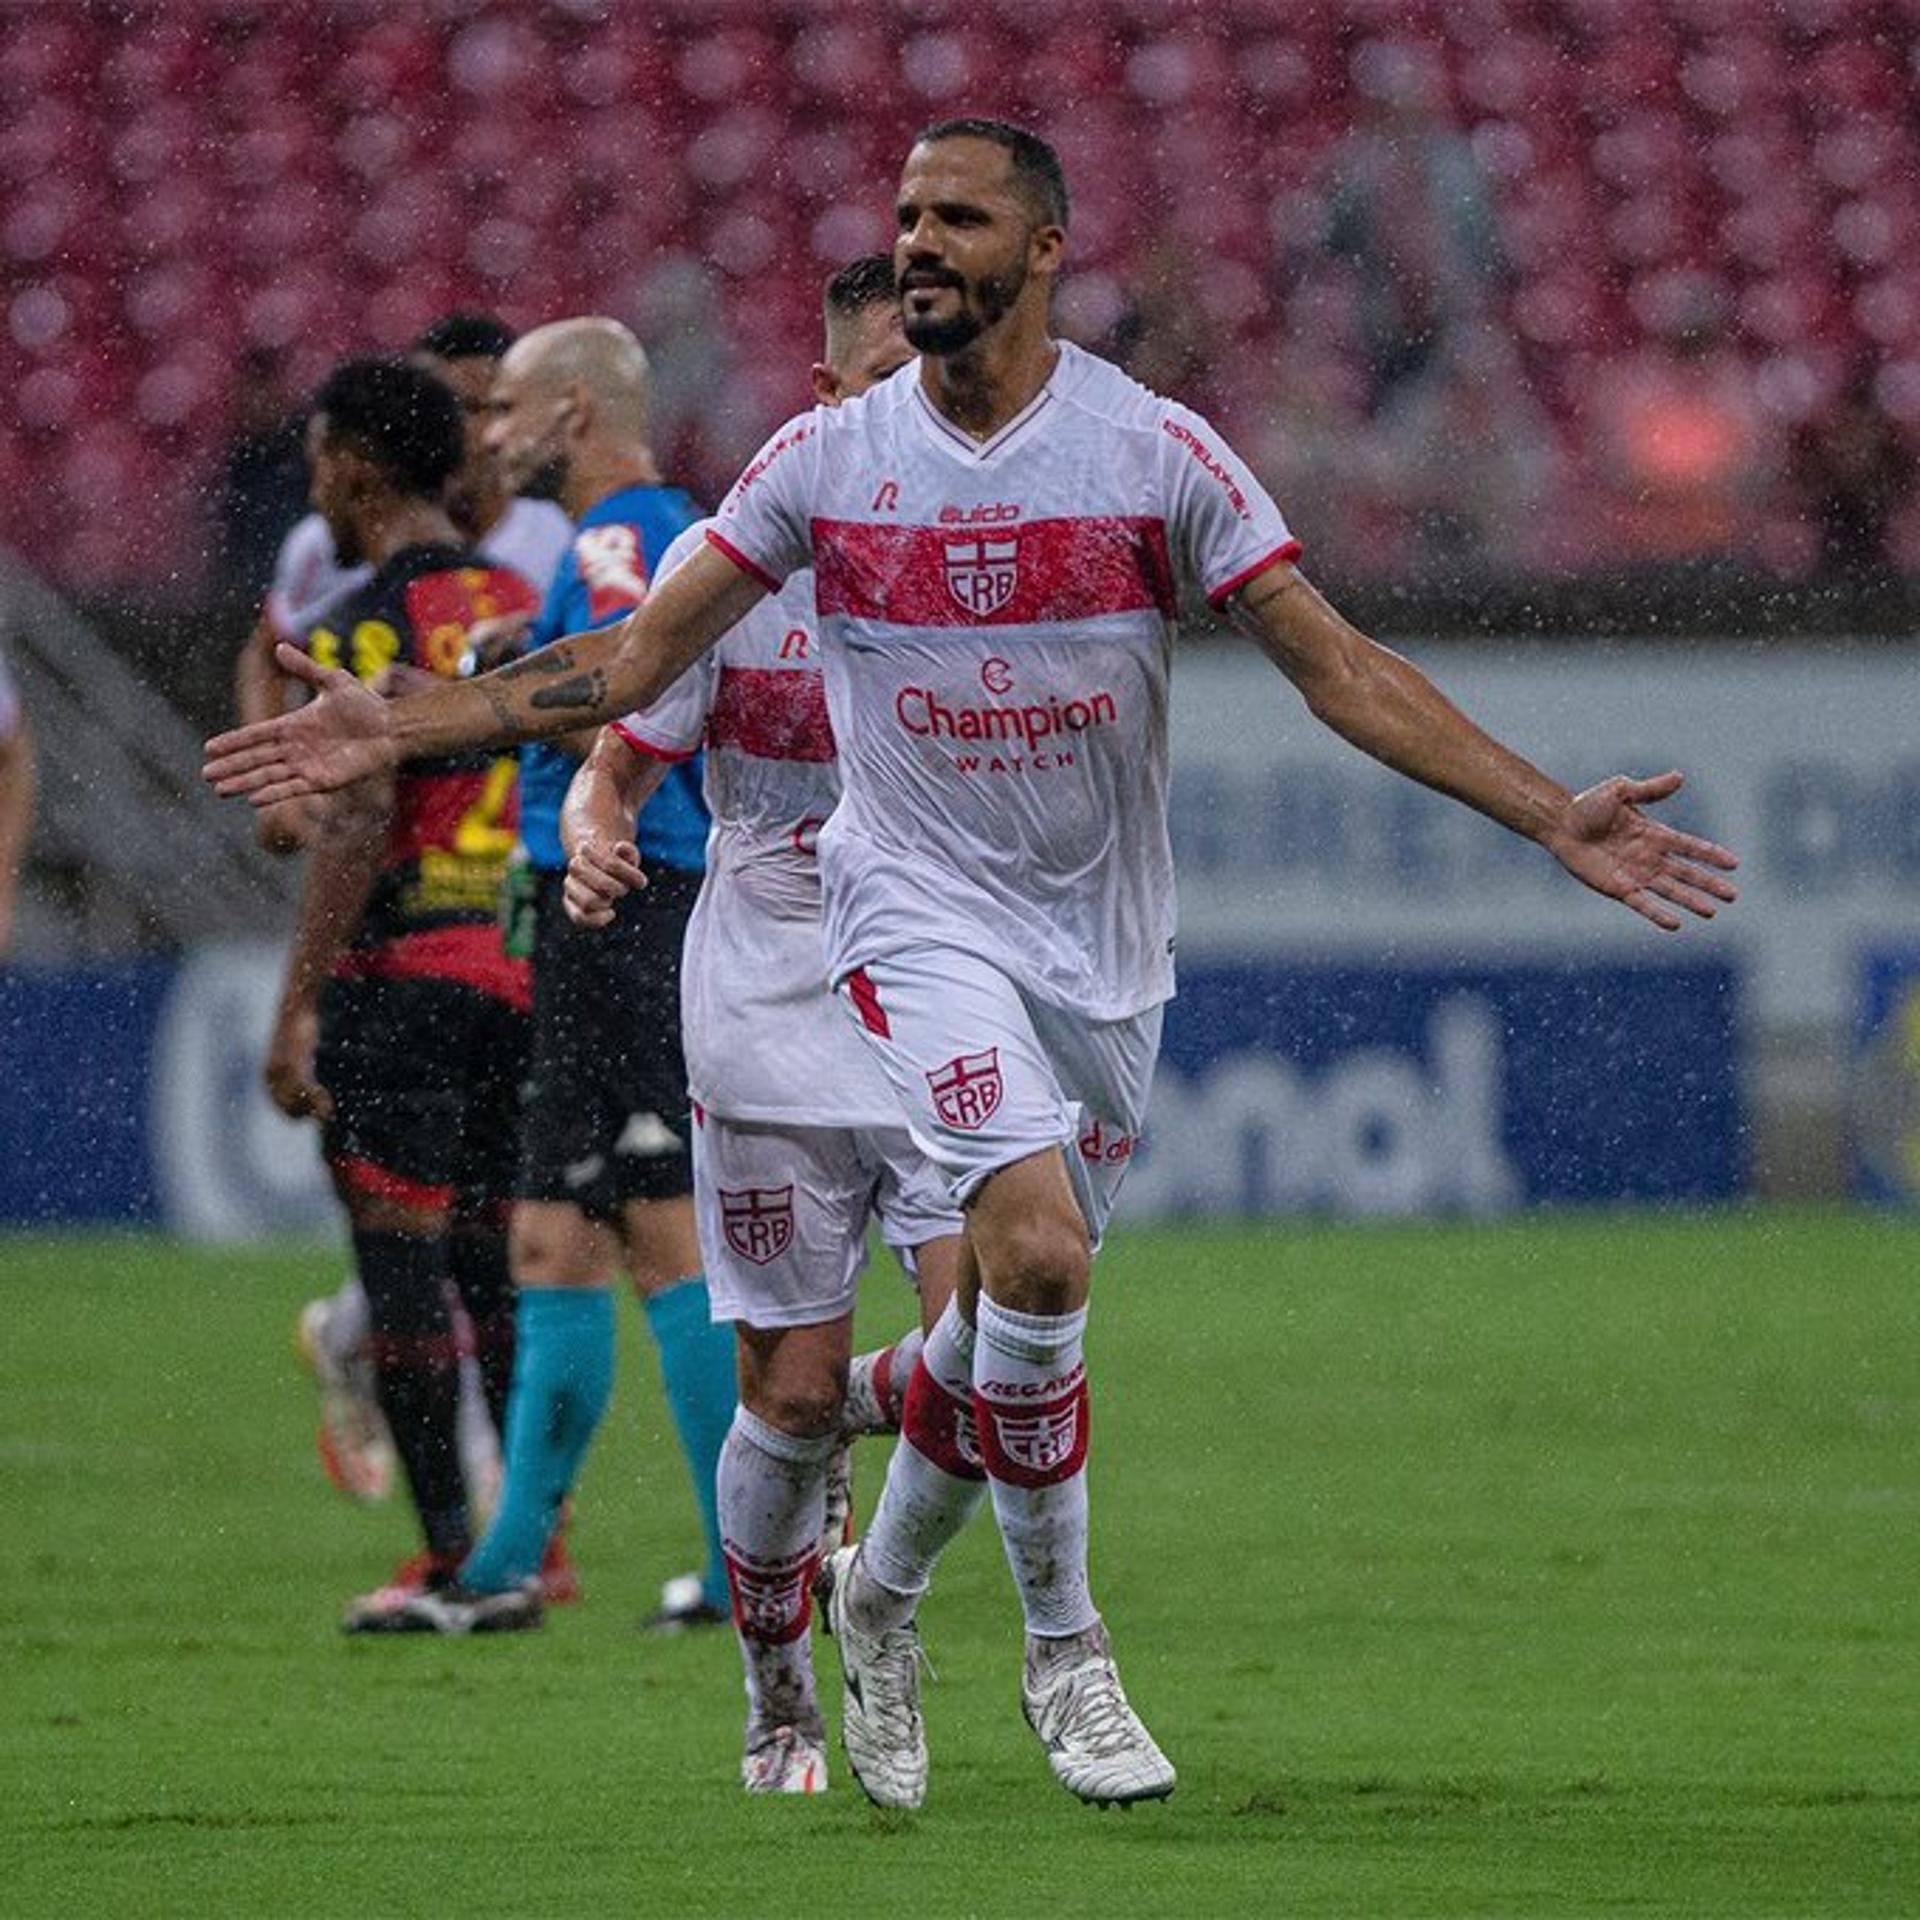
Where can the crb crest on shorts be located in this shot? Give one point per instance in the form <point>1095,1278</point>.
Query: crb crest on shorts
<point>758,1222</point>
<point>967,1090</point>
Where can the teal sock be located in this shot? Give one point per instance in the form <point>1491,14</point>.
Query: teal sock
<point>697,1369</point>
<point>562,1375</point>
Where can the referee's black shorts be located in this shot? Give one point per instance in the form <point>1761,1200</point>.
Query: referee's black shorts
<point>604,1110</point>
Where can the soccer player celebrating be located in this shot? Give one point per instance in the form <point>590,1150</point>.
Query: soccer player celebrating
<point>998,539</point>
<point>605,1175</point>
<point>797,1140</point>
<point>402,1022</point>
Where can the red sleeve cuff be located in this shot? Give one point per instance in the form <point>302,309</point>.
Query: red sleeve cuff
<point>740,560</point>
<point>1222,594</point>
<point>640,744</point>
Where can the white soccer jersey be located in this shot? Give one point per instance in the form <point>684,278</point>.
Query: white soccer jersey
<point>763,1036</point>
<point>529,537</point>
<point>999,621</point>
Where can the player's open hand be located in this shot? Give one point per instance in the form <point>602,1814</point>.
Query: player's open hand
<point>599,875</point>
<point>1608,844</point>
<point>340,737</point>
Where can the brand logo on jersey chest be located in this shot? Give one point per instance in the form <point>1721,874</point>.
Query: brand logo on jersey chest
<point>982,574</point>
<point>758,1222</point>
<point>966,1091</point>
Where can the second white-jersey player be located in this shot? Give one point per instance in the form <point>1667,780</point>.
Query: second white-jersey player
<point>799,1134</point>
<point>799,1144</point>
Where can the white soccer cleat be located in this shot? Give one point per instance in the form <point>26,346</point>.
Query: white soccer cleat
<point>356,1450</point>
<point>880,1723</point>
<point>785,1761</point>
<point>1095,1743</point>
<point>457,1610</point>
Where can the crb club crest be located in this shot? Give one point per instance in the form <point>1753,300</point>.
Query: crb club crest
<point>770,1597</point>
<point>982,573</point>
<point>758,1222</point>
<point>966,1092</point>
<point>1038,1441</point>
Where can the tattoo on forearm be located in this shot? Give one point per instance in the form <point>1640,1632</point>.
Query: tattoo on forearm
<point>557,658</point>
<point>585,692</point>
<point>501,702</point>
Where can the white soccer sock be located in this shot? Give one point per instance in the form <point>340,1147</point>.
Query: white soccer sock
<point>934,1481</point>
<point>772,1497</point>
<point>1030,1400</point>
<point>346,1326</point>
<point>877,1386</point>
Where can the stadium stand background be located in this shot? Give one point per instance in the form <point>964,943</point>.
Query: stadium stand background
<point>1680,395</point>
<point>208,200</point>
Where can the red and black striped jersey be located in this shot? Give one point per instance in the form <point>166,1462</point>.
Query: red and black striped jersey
<point>434,908</point>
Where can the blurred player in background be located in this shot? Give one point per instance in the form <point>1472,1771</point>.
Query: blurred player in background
<point>17,777</point>
<point>998,542</point>
<point>403,1024</point>
<point>528,537</point>
<point>797,1146</point>
<point>605,1177</point>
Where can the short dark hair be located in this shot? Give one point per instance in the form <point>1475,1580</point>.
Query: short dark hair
<point>403,418</point>
<point>863,283</point>
<point>467,336</point>
<point>1036,167</point>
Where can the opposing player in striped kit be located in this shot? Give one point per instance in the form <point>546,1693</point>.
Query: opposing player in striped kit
<point>798,1144</point>
<point>998,539</point>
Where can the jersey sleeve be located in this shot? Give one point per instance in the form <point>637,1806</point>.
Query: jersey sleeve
<point>674,726</point>
<point>305,556</point>
<point>764,525</point>
<point>1225,526</point>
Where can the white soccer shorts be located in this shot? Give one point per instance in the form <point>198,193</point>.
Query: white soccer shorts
<point>783,1214</point>
<point>987,1075</point>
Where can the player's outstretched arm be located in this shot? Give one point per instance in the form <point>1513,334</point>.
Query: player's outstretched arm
<point>1388,708</point>
<point>348,731</point>
<point>609,788</point>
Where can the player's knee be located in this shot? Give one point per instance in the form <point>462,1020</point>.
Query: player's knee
<point>1043,1265</point>
<point>377,1213</point>
<point>805,1408</point>
<point>794,1392</point>
<point>545,1252</point>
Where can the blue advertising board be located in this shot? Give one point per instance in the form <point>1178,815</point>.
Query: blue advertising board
<point>1884,1098</point>
<point>1401,1089</point>
<point>133,1094</point>
<point>76,1066</point>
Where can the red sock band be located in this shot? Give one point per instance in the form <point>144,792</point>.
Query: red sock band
<point>1035,1443</point>
<point>772,1599</point>
<point>940,1425</point>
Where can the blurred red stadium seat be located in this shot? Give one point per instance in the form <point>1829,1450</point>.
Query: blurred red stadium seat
<point>205,174</point>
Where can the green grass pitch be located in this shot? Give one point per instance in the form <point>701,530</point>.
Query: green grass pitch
<point>1556,1567</point>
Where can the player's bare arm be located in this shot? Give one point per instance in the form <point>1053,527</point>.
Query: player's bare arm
<point>352,834</point>
<point>260,693</point>
<point>17,783</point>
<point>596,828</point>
<point>1386,707</point>
<point>348,731</point>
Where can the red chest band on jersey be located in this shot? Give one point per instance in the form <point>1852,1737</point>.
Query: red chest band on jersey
<point>1043,573</point>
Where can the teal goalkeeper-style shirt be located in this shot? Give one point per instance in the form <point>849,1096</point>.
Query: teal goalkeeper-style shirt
<point>603,576</point>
